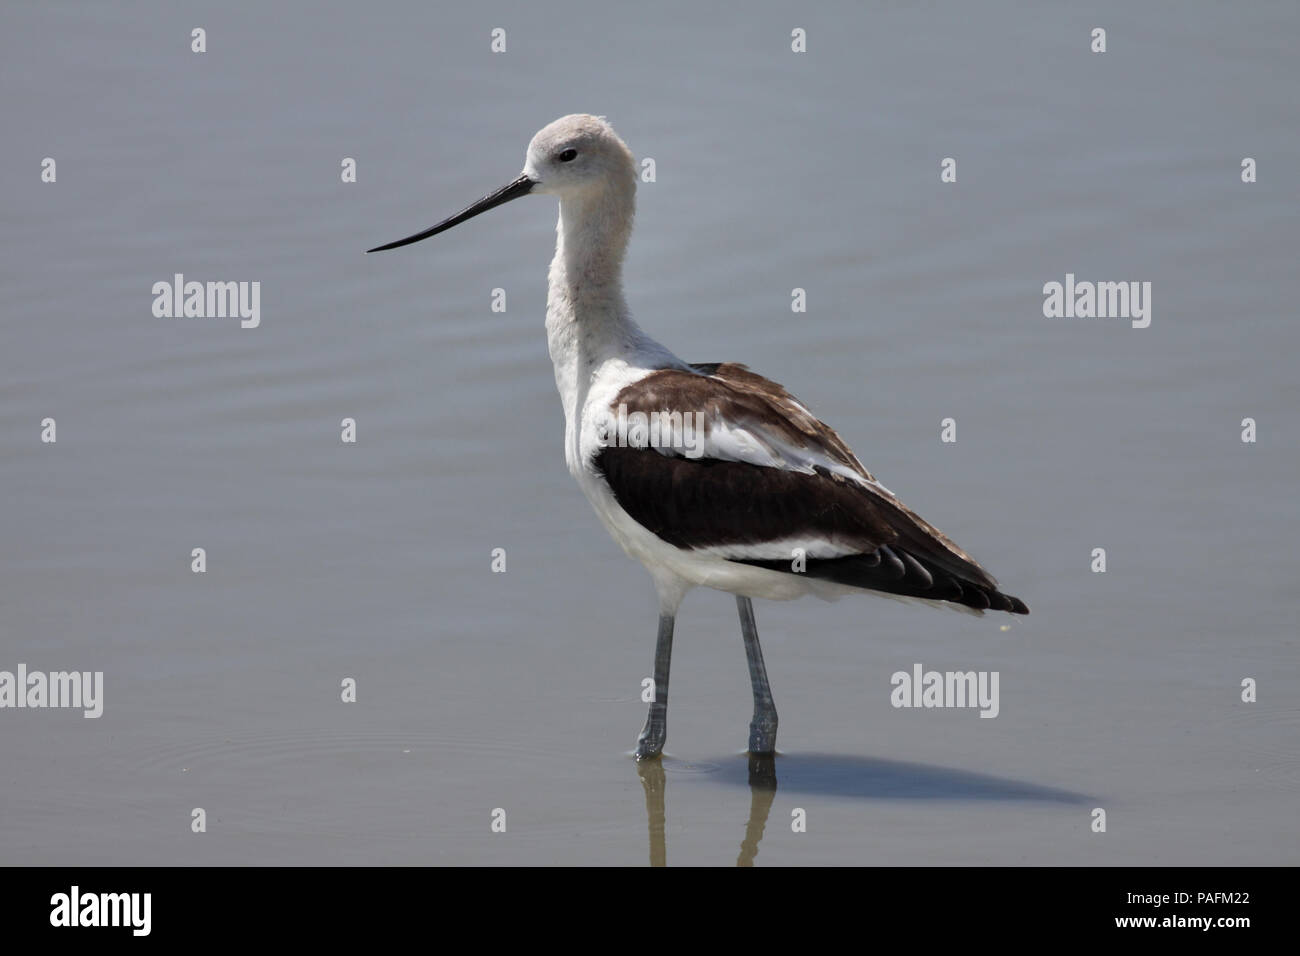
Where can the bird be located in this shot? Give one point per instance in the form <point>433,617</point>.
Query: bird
<point>707,473</point>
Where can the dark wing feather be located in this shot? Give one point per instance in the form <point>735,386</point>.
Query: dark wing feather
<point>703,502</point>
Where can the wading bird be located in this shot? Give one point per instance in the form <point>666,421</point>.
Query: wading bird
<point>750,494</point>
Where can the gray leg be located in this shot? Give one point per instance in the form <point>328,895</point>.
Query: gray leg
<point>651,742</point>
<point>762,729</point>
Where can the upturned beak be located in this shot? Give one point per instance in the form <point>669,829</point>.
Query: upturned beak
<point>520,187</point>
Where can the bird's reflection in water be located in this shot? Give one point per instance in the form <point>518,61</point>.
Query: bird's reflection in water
<point>762,790</point>
<point>845,777</point>
<point>654,781</point>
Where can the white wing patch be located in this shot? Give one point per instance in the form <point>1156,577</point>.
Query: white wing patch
<point>749,442</point>
<point>786,549</point>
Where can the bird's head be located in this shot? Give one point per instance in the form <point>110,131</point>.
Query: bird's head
<point>577,158</point>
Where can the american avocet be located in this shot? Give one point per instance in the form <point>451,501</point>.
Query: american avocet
<point>734,485</point>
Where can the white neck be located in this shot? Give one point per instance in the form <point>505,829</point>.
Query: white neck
<point>592,239</point>
<point>587,319</point>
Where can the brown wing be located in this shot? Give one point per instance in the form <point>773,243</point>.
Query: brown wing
<point>738,506</point>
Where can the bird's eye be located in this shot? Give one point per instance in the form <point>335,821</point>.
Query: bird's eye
<point>568,156</point>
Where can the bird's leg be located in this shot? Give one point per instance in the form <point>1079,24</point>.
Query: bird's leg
<point>762,729</point>
<point>651,742</point>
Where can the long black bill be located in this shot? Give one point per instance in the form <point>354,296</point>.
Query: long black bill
<point>520,187</point>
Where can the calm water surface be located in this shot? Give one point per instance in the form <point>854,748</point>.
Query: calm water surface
<point>521,690</point>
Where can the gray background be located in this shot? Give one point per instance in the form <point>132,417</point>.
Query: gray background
<point>520,691</point>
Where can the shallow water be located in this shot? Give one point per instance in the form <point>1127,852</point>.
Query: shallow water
<point>520,691</point>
